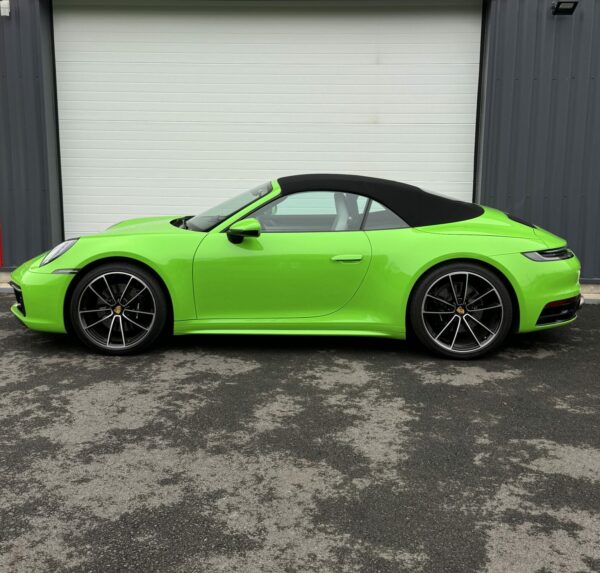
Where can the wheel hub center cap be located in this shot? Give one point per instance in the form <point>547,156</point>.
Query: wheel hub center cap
<point>460,310</point>
<point>118,309</point>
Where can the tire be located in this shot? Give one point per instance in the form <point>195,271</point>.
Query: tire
<point>446,323</point>
<point>132,303</point>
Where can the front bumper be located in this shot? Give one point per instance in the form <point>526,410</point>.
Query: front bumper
<point>18,292</point>
<point>39,297</point>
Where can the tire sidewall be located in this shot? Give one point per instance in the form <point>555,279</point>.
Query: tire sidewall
<point>416,317</point>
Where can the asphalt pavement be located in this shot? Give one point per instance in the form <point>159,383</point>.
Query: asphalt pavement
<point>275,454</point>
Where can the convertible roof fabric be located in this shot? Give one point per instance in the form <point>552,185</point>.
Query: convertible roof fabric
<point>415,206</point>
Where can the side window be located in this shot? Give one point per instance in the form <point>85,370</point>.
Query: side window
<point>380,217</point>
<point>316,211</point>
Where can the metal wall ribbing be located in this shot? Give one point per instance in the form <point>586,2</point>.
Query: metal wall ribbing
<point>30,203</point>
<point>539,138</point>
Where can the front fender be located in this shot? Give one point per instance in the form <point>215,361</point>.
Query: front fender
<point>169,256</point>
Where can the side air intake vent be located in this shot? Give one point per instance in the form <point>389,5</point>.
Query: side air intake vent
<point>519,220</point>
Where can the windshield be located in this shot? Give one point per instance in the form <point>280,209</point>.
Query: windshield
<point>212,217</point>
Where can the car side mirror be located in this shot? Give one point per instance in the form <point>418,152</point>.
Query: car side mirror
<point>244,228</point>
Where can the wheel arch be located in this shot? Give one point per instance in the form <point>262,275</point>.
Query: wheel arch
<point>116,259</point>
<point>500,273</point>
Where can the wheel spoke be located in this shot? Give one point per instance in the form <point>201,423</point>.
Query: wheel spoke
<point>122,330</point>
<point>98,321</point>
<point>445,327</point>
<point>456,333</point>
<point>453,290</point>
<point>125,290</point>
<point>480,323</point>
<point>135,311</point>
<point>110,292</point>
<point>144,287</point>
<point>134,322</point>
<point>466,287</point>
<point>487,308</point>
<point>440,300</point>
<point>471,331</point>
<point>99,295</point>
<point>438,312</point>
<point>112,322</point>
<point>480,297</point>
<point>94,310</point>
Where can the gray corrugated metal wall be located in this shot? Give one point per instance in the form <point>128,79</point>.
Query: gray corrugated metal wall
<point>539,141</point>
<point>30,204</point>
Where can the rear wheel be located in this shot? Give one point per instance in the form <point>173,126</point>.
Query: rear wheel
<point>461,310</point>
<point>118,309</point>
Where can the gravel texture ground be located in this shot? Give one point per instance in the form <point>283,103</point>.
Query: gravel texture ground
<point>300,454</point>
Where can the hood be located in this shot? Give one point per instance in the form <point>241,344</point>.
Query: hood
<point>146,225</point>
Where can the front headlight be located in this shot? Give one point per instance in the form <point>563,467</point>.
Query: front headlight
<point>550,254</point>
<point>58,251</point>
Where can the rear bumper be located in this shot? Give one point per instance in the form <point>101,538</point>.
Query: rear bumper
<point>560,311</point>
<point>539,284</point>
<point>39,298</point>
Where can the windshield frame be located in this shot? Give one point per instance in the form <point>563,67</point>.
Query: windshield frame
<point>257,201</point>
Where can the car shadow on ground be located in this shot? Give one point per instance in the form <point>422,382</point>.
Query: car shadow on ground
<point>269,344</point>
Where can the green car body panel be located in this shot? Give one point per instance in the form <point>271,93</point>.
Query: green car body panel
<point>343,283</point>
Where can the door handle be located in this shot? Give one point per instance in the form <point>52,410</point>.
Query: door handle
<point>347,258</point>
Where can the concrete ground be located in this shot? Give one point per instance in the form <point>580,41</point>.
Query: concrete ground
<point>300,454</point>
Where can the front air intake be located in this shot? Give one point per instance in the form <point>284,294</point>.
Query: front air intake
<point>19,296</point>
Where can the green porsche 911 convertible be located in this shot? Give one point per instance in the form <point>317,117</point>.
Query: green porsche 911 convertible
<point>308,254</point>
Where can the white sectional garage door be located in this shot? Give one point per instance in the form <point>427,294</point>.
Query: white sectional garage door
<point>168,107</point>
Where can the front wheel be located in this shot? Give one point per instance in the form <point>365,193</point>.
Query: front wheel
<point>118,309</point>
<point>461,310</point>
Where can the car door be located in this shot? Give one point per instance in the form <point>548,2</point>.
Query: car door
<point>308,261</point>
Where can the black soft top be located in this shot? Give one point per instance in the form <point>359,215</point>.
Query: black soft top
<point>415,206</point>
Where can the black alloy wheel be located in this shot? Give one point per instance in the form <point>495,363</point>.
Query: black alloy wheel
<point>118,309</point>
<point>461,310</point>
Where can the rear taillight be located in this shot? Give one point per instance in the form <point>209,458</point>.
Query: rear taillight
<point>559,254</point>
